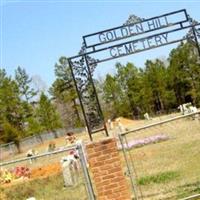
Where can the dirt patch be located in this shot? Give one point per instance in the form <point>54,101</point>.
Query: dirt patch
<point>37,173</point>
<point>45,171</point>
<point>126,121</point>
<point>3,196</point>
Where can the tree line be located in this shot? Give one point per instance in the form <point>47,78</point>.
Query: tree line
<point>160,86</point>
<point>20,115</point>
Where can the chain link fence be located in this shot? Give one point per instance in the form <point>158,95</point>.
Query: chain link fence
<point>25,144</point>
<point>163,158</point>
<point>58,175</point>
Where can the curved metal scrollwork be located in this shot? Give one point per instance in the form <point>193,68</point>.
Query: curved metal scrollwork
<point>83,71</point>
<point>83,66</point>
<point>193,34</point>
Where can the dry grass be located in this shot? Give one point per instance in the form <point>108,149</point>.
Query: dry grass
<point>169,169</point>
<point>50,188</point>
<point>166,170</point>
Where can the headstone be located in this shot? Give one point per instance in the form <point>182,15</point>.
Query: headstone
<point>30,153</point>
<point>146,116</point>
<point>70,138</point>
<point>120,125</point>
<point>52,146</point>
<point>70,170</point>
<point>110,124</point>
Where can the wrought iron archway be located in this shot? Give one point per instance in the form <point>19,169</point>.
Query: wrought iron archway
<point>83,65</point>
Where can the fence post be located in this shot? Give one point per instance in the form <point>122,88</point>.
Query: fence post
<point>11,149</point>
<point>36,141</point>
<point>130,172</point>
<point>107,170</point>
<point>85,171</point>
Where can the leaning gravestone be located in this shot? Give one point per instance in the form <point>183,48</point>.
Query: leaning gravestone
<point>69,170</point>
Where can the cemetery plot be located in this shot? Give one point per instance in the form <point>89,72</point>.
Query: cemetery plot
<point>164,159</point>
<point>58,176</point>
<point>135,36</point>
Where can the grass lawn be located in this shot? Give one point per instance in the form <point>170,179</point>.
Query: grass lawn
<point>50,188</point>
<point>165,170</point>
<point>169,169</point>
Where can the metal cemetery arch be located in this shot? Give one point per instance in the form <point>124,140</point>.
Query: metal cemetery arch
<point>83,65</point>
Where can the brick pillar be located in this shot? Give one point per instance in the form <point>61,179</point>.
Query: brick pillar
<point>106,168</point>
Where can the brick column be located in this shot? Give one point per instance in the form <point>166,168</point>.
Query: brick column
<point>105,165</point>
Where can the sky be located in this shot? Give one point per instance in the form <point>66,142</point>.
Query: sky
<point>34,34</point>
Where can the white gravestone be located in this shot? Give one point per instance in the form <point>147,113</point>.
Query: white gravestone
<point>70,170</point>
<point>120,126</point>
<point>146,116</point>
<point>110,124</point>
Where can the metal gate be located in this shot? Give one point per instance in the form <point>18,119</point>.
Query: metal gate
<point>134,36</point>
<point>163,158</point>
<point>43,177</point>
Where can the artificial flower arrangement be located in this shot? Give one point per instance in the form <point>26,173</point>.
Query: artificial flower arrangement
<point>7,176</point>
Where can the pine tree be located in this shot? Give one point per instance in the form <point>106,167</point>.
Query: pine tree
<point>24,84</point>
<point>11,110</point>
<point>63,88</point>
<point>47,115</point>
<point>111,96</point>
<point>184,73</point>
<point>156,73</point>
<point>128,78</point>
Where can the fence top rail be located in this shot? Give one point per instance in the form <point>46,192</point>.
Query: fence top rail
<point>158,123</point>
<point>6,144</point>
<point>191,197</point>
<point>28,138</point>
<point>77,130</point>
<point>38,156</point>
